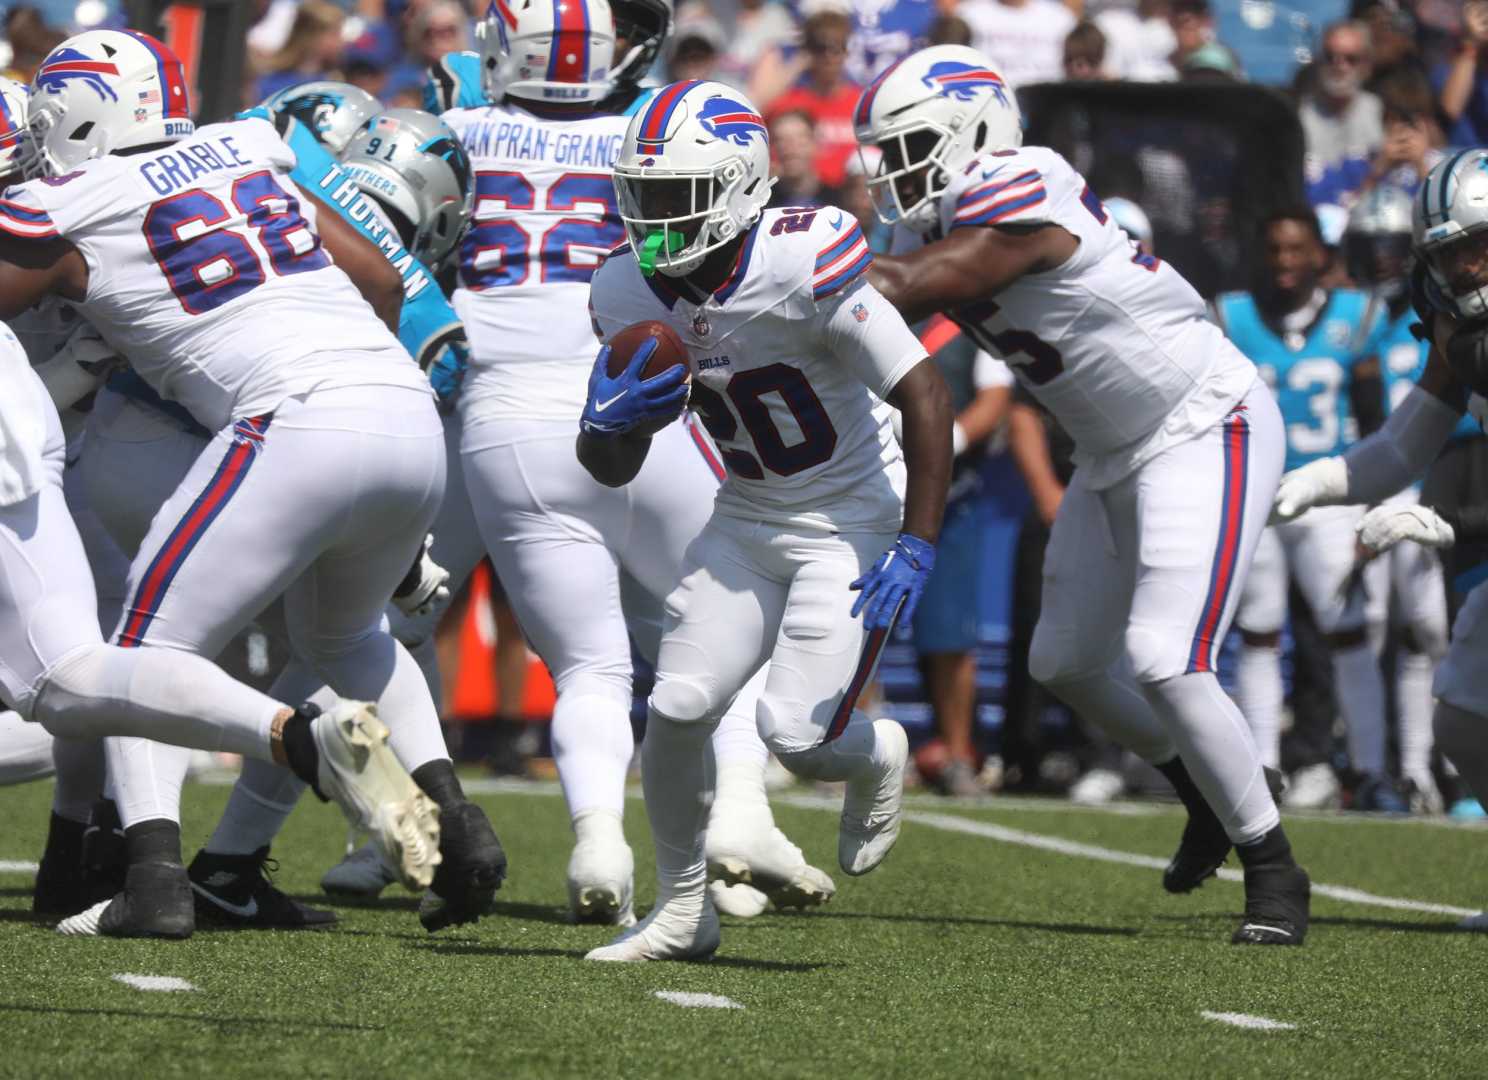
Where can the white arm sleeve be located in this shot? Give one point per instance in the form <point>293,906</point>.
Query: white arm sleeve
<point>866,333</point>
<point>1398,453</point>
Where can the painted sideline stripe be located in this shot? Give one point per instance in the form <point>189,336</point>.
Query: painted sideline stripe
<point>1059,846</point>
<point>18,866</point>
<point>689,999</point>
<point>1246,1020</point>
<point>154,982</point>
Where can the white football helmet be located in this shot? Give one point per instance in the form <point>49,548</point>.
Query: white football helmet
<point>13,106</point>
<point>693,173</point>
<point>332,111</point>
<point>555,51</point>
<point>930,114</point>
<point>414,165</point>
<point>103,91</point>
<point>1451,230</point>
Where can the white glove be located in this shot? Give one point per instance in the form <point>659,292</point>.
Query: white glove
<point>1385,526</point>
<point>78,367</point>
<point>1318,483</point>
<point>426,586</point>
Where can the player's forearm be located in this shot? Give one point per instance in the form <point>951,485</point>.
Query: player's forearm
<point>1399,452</point>
<point>613,461</point>
<point>928,415</point>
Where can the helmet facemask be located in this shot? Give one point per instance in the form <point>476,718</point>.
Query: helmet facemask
<point>1459,264</point>
<point>1379,261</point>
<point>674,219</point>
<point>911,175</point>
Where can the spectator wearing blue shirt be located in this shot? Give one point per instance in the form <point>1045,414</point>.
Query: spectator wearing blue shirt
<point>1462,81</point>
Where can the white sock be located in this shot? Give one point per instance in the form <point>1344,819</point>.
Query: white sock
<point>156,693</point>
<point>1219,750</point>
<point>677,775</point>
<point>1413,674</point>
<point>1113,702</point>
<point>261,801</point>
<point>737,740</point>
<point>80,773</point>
<point>1259,694</point>
<point>146,778</point>
<point>1361,700</point>
<point>603,826</point>
<point>380,670</point>
<point>592,747</point>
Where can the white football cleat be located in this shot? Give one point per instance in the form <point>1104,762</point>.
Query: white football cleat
<point>84,923</point>
<point>601,871</point>
<point>1312,787</point>
<point>1097,787</point>
<point>874,804</point>
<point>763,858</point>
<point>740,901</point>
<point>358,770</point>
<point>1477,923</point>
<point>681,927</point>
<point>361,874</point>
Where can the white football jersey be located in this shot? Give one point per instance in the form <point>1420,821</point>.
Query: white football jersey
<point>791,359</point>
<point>204,268</point>
<point>545,215</point>
<point>23,423</point>
<point>42,330</point>
<point>1115,343</point>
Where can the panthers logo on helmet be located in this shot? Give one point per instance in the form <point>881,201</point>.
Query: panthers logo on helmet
<point>951,78</point>
<point>65,65</point>
<point>731,120</point>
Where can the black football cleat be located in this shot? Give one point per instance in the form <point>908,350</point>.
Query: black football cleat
<point>155,903</point>
<point>63,884</point>
<point>237,891</point>
<point>472,869</point>
<point>1277,899</point>
<point>1201,852</point>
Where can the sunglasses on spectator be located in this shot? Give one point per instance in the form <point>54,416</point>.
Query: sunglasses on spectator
<point>1352,59</point>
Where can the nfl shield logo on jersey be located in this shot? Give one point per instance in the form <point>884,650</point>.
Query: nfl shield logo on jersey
<point>700,325</point>
<point>859,312</point>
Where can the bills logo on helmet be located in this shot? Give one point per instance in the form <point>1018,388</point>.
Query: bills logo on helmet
<point>65,65</point>
<point>731,120</point>
<point>952,78</point>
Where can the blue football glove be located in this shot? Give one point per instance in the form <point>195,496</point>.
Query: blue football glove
<point>447,373</point>
<point>893,586</point>
<point>618,405</point>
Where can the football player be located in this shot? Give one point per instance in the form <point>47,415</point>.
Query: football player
<point>1450,297</point>
<point>793,356</point>
<point>139,447</point>
<point>193,253</point>
<point>1307,342</point>
<point>1377,247</point>
<point>542,144</point>
<point>1178,445</point>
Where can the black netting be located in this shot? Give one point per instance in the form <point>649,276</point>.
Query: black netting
<point>1207,163</point>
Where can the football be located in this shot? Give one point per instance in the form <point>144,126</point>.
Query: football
<point>670,352</point>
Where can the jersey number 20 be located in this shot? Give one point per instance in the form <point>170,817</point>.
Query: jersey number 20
<point>207,265</point>
<point>746,390</point>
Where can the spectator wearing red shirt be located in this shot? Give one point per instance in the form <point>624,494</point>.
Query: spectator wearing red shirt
<point>825,93</point>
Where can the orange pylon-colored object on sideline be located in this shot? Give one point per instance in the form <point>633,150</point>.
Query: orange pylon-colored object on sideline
<point>476,693</point>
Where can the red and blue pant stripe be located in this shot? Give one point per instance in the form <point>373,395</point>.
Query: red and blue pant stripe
<point>1226,567</point>
<point>155,583</point>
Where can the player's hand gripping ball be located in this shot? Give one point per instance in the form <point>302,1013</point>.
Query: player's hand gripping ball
<point>639,384</point>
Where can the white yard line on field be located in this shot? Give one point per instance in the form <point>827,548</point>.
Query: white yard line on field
<point>18,866</point>
<point>689,999</point>
<point>156,983</point>
<point>1245,1020</point>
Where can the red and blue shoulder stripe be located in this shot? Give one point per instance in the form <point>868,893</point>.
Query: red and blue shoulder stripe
<point>26,222</point>
<point>840,263</point>
<point>1000,198</point>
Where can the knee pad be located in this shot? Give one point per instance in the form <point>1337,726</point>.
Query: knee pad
<point>1154,655</point>
<point>1052,659</point>
<point>782,732</point>
<point>684,700</point>
<point>77,690</point>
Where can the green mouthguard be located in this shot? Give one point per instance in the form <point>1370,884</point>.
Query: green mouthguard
<point>653,244</point>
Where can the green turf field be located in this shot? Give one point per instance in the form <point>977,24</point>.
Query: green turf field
<point>965,955</point>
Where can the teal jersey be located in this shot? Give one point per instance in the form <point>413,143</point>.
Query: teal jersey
<point>1311,382</point>
<point>1402,361</point>
<point>427,324</point>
